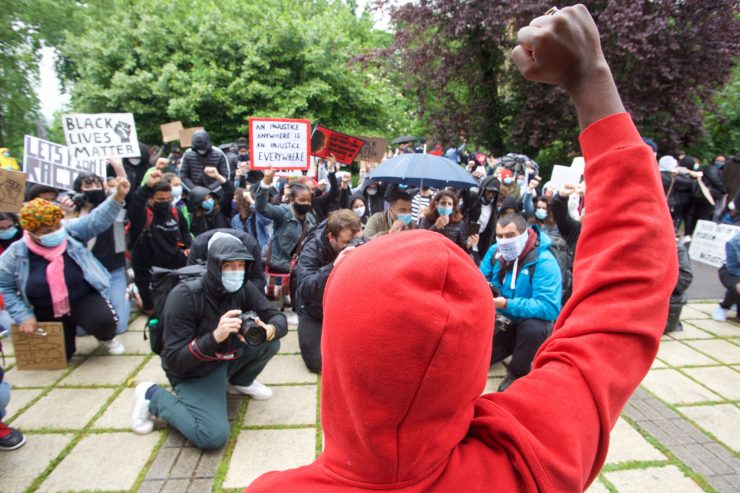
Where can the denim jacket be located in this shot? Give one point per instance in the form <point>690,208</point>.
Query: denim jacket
<point>14,262</point>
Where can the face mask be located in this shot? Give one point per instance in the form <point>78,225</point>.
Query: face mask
<point>372,191</point>
<point>511,248</point>
<point>540,214</point>
<point>134,160</point>
<point>485,201</point>
<point>54,239</point>
<point>719,164</point>
<point>232,280</point>
<point>9,233</point>
<point>95,197</point>
<point>243,158</point>
<point>520,183</point>
<point>508,181</point>
<point>402,186</point>
<point>202,152</point>
<point>404,218</point>
<point>161,208</point>
<point>302,209</point>
<point>444,211</point>
<point>207,204</point>
<point>359,211</point>
<point>177,192</point>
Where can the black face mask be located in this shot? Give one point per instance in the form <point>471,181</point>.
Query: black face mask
<point>161,208</point>
<point>95,197</point>
<point>302,209</point>
<point>485,201</point>
<point>243,158</point>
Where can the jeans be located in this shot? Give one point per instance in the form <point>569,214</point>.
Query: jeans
<point>264,230</point>
<point>4,398</point>
<point>729,281</point>
<point>5,321</point>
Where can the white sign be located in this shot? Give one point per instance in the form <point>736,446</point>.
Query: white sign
<point>92,138</point>
<point>578,164</point>
<point>280,142</point>
<point>48,163</point>
<point>562,175</point>
<point>708,242</point>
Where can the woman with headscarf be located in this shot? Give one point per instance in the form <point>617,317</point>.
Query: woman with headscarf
<point>51,276</point>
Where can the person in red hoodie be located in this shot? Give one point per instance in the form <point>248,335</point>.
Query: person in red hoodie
<point>401,408</point>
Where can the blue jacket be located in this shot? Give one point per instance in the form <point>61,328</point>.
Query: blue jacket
<point>14,261</point>
<point>537,297</point>
<point>732,255</point>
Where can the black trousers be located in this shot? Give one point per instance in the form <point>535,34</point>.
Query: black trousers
<point>729,281</point>
<point>309,339</point>
<point>93,313</point>
<point>522,340</point>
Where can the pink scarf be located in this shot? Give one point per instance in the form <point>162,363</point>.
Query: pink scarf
<point>54,273</point>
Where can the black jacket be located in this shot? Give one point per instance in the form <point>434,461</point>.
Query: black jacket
<point>473,205</point>
<point>312,271</point>
<point>193,163</point>
<point>569,228</point>
<point>218,217</point>
<point>322,205</point>
<point>134,172</point>
<point>685,276</point>
<point>190,350</point>
<point>712,178</point>
<point>255,271</point>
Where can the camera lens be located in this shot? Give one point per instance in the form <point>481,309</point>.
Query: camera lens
<point>253,334</point>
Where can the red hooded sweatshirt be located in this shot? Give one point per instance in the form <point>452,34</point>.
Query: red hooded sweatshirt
<point>407,340</point>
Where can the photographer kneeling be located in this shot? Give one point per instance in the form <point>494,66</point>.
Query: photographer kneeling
<point>527,285</point>
<point>205,351</point>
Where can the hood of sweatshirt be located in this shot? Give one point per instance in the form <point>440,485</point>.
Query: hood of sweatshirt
<point>400,381</point>
<point>223,247</point>
<point>201,141</point>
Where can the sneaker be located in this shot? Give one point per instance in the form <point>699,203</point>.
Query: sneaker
<point>10,438</point>
<point>720,314</point>
<point>507,381</point>
<point>292,317</point>
<point>142,421</point>
<point>256,391</point>
<point>112,346</point>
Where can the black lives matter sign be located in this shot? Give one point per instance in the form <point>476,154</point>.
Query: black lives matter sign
<point>92,138</point>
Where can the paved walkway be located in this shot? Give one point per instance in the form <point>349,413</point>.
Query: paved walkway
<point>679,433</point>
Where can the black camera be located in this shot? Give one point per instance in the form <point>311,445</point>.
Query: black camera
<point>79,199</point>
<point>254,335</point>
<point>496,292</point>
<point>357,241</point>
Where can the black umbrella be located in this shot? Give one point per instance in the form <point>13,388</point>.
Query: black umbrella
<point>403,140</point>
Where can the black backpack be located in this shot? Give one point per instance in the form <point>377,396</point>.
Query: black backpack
<point>162,284</point>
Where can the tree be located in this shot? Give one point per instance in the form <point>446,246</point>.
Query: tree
<point>218,63</point>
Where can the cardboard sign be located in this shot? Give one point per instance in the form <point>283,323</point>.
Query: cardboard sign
<point>186,136</point>
<point>562,175</point>
<point>92,138</point>
<point>44,351</point>
<point>12,190</point>
<point>708,242</point>
<point>48,163</point>
<point>374,149</point>
<point>171,131</point>
<point>282,143</point>
<point>325,142</point>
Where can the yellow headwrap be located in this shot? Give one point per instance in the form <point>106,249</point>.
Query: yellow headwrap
<point>39,212</point>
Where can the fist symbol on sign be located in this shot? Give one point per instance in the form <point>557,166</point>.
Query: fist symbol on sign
<point>9,192</point>
<point>123,130</point>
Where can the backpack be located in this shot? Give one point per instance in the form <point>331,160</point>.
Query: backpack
<point>162,284</point>
<point>559,250</point>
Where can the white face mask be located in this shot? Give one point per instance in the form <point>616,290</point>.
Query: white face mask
<point>372,191</point>
<point>359,211</point>
<point>511,248</point>
<point>134,160</point>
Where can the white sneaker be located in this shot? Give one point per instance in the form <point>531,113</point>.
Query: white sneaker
<point>112,346</point>
<point>292,317</point>
<point>142,422</point>
<point>256,391</point>
<point>720,314</point>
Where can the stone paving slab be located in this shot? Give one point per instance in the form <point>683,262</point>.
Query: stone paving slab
<point>32,378</point>
<point>497,370</point>
<point>721,379</point>
<point>286,369</point>
<point>86,345</point>
<point>626,444</point>
<point>103,370</point>
<point>690,332</point>
<point>152,372</point>
<point>77,472</point>
<point>19,398</point>
<point>492,384</point>
<point>289,343</point>
<point>258,451</point>
<point>134,342</point>
<point>668,479</point>
<point>292,405</point>
<point>597,487</point>
<point>118,414</point>
<point>69,409</point>
<point>705,310</point>
<point>676,353</point>
<point>138,324</point>
<point>19,468</point>
<point>722,421</point>
<point>723,329</point>
<point>720,350</point>
<point>676,388</point>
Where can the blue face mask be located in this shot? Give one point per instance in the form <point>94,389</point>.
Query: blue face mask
<point>508,181</point>
<point>404,218</point>
<point>177,191</point>
<point>719,164</point>
<point>540,214</point>
<point>402,186</point>
<point>232,280</point>
<point>520,183</point>
<point>9,233</point>
<point>52,240</point>
<point>207,204</point>
<point>444,211</point>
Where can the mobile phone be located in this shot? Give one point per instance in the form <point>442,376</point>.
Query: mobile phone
<point>473,228</point>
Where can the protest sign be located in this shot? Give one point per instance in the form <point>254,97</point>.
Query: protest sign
<point>282,143</point>
<point>48,163</point>
<point>92,138</point>
<point>171,131</point>
<point>43,350</point>
<point>564,174</point>
<point>374,149</point>
<point>325,143</point>
<point>12,187</point>
<point>708,242</point>
<point>578,164</point>
<point>186,136</point>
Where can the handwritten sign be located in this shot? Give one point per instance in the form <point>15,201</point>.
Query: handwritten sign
<point>43,351</point>
<point>12,187</point>
<point>282,143</point>
<point>325,142</point>
<point>374,149</point>
<point>171,131</point>
<point>92,138</point>
<point>48,163</point>
<point>708,242</point>
<point>186,136</point>
<point>564,174</point>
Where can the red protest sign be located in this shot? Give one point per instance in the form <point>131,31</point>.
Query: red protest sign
<point>325,142</point>
<point>281,143</point>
